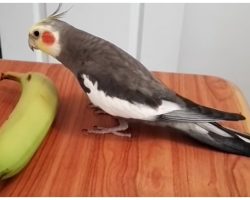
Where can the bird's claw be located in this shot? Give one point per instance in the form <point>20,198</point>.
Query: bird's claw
<point>123,125</point>
<point>102,130</point>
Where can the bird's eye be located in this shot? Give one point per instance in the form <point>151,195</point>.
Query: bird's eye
<point>36,33</point>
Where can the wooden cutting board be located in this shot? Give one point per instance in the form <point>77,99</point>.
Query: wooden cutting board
<point>154,162</point>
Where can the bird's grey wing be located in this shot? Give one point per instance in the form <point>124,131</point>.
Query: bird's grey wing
<point>193,112</point>
<point>191,116</point>
<point>125,83</point>
<point>115,80</point>
<point>120,75</point>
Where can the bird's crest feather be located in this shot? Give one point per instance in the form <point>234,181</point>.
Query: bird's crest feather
<point>56,14</point>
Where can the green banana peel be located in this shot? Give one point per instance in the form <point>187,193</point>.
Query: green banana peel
<point>28,124</point>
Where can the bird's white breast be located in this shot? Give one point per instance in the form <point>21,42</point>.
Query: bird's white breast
<point>123,108</point>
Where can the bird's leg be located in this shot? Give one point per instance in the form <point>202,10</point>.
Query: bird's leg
<point>97,110</point>
<point>123,125</point>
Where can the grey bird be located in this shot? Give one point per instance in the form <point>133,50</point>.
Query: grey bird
<point>121,86</point>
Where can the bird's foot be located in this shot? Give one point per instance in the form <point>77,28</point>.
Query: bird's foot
<point>97,110</point>
<point>123,125</point>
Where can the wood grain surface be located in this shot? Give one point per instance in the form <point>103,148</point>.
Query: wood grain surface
<point>154,162</point>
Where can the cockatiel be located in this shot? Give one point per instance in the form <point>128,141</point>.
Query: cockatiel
<point>122,87</point>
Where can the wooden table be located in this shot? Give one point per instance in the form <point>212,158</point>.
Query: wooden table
<point>155,162</point>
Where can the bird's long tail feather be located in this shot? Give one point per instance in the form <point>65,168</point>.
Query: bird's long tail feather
<point>216,135</point>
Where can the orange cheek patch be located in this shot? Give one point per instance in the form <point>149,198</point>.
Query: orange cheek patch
<point>48,38</point>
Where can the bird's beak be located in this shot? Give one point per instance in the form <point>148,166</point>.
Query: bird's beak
<point>31,43</point>
<point>31,47</point>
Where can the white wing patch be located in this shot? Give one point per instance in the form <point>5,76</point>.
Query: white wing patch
<point>214,129</point>
<point>122,108</point>
<point>245,139</point>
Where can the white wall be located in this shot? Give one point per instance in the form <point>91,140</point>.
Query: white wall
<point>216,41</point>
<point>15,19</point>
<point>194,38</point>
<point>162,26</point>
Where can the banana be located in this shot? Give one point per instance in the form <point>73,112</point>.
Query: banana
<point>24,130</point>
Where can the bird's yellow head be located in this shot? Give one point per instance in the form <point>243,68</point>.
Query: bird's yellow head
<point>42,36</point>
<point>45,34</point>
